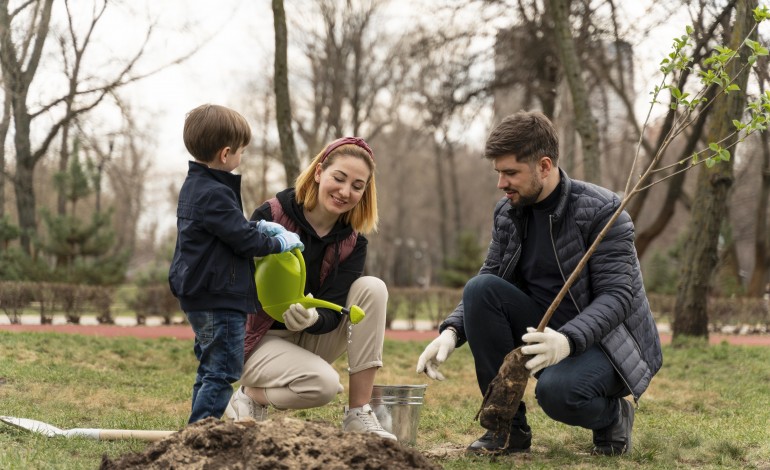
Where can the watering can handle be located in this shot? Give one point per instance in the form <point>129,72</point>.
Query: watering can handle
<point>355,313</point>
<point>302,272</point>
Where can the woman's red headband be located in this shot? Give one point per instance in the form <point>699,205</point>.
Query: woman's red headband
<point>348,140</point>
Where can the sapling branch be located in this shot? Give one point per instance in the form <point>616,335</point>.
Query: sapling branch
<point>504,393</point>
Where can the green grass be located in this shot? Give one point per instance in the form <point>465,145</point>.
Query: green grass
<point>708,407</point>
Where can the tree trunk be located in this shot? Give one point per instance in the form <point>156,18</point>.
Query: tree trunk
<point>18,78</point>
<point>584,120</point>
<point>5,124</point>
<point>282,100</point>
<point>444,218</point>
<point>674,190</point>
<point>700,250</point>
<point>25,202</point>
<point>756,287</point>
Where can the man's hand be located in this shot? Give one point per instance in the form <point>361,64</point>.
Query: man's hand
<point>436,353</point>
<point>548,347</point>
<point>297,317</point>
<point>270,229</point>
<point>289,241</point>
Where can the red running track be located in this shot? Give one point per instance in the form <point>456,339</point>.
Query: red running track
<point>183,332</point>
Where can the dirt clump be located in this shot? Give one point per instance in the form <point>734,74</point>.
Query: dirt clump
<point>282,443</point>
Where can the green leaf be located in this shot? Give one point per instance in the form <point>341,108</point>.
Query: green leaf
<point>714,147</point>
<point>732,87</point>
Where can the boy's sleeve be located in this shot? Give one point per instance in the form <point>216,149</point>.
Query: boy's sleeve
<point>224,219</point>
<point>262,212</point>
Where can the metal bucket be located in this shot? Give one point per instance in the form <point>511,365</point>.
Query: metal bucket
<point>398,409</point>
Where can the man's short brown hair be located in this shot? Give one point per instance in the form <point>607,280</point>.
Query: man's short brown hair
<point>528,135</point>
<point>209,128</point>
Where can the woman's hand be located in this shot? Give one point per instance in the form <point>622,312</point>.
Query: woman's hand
<point>297,317</point>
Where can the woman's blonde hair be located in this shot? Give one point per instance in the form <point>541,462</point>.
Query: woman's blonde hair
<point>363,217</point>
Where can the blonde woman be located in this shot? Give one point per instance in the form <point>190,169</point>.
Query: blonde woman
<point>288,365</point>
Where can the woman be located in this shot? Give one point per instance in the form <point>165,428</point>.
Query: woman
<point>288,365</point>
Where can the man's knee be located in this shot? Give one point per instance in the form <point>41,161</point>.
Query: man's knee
<point>556,398</point>
<point>478,285</point>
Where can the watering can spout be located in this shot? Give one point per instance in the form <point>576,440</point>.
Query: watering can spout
<point>280,280</point>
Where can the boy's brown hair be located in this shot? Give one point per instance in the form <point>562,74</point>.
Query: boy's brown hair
<point>209,128</point>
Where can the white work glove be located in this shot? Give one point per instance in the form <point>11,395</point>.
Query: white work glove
<point>289,241</point>
<point>270,229</point>
<point>436,353</point>
<point>297,317</point>
<point>548,347</point>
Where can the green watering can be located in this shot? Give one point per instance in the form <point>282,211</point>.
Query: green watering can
<point>280,281</point>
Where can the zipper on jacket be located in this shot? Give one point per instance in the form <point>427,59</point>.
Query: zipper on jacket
<point>558,263</point>
<point>232,271</point>
<point>507,270</point>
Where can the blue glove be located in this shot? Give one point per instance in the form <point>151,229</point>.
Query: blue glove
<point>270,229</point>
<point>289,241</point>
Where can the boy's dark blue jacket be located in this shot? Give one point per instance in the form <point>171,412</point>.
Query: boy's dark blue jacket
<point>213,265</point>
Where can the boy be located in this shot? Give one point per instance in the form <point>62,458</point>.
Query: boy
<point>212,272</point>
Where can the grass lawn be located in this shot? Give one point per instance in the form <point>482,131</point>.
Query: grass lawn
<point>708,408</point>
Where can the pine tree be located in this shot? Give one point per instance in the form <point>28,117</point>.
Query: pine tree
<point>83,246</point>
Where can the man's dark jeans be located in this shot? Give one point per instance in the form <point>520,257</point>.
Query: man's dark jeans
<point>218,346</point>
<point>579,391</point>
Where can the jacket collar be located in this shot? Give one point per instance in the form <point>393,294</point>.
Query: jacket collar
<point>224,177</point>
<point>566,186</point>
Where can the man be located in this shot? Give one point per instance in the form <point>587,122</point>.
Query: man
<point>601,344</point>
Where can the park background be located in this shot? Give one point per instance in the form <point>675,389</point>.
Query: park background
<point>92,159</point>
<point>95,93</point>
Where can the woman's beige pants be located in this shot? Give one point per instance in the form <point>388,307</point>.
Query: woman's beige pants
<point>295,368</point>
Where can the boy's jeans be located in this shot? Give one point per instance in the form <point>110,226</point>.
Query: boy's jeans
<point>218,346</point>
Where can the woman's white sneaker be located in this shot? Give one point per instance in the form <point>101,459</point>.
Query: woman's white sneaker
<point>364,420</point>
<point>241,407</point>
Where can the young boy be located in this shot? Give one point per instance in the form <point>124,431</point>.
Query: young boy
<point>212,272</point>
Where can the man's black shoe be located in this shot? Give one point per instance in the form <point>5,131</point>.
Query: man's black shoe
<point>520,441</point>
<point>615,439</point>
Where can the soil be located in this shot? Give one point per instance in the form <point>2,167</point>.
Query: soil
<point>282,443</point>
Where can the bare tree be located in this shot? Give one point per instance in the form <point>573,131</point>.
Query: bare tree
<point>440,87</point>
<point>584,120</point>
<point>23,35</point>
<point>19,63</point>
<point>282,99</point>
<point>5,124</point>
<point>121,156</point>
<point>352,67</point>
<point>759,275</point>
<point>707,23</point>
<point>699,260</point>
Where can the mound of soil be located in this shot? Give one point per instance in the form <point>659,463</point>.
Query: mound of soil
<point>282,443</point>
